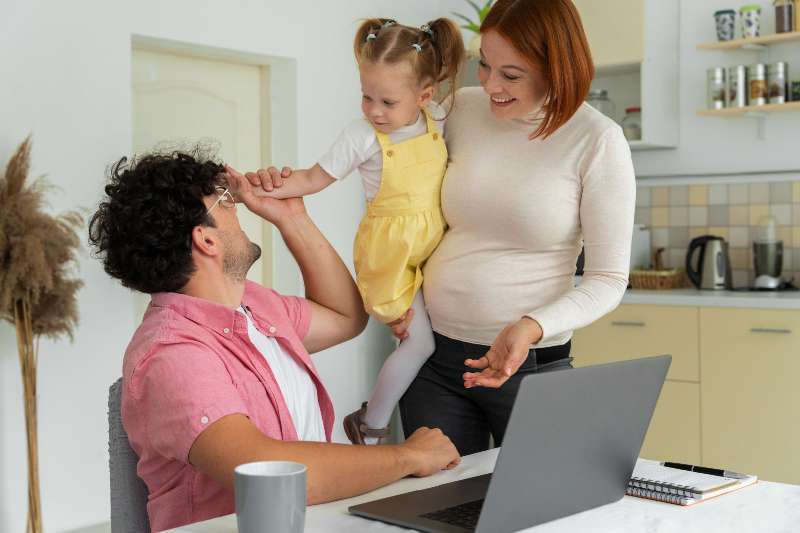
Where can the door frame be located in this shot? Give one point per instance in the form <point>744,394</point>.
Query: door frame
<point>278,84</point>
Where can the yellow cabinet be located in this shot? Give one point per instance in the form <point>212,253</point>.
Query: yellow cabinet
<point>634,331</point>
<point>674,433</point>
<point>751,391</point>
<point>614,29</point>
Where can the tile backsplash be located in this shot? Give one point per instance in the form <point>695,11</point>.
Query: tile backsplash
<point>677,214</point>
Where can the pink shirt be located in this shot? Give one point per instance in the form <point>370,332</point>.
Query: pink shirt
<point>190,363</point>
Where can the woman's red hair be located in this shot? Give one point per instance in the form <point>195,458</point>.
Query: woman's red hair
<point>549,33</point>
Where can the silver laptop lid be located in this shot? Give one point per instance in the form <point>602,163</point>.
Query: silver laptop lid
<point>576,452</point>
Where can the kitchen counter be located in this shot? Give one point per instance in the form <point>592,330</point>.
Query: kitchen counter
<point>694,297</point>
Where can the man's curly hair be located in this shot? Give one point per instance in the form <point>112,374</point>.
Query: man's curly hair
<point>142,230</point>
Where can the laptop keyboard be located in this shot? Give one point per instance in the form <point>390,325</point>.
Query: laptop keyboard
<point>464,515</point>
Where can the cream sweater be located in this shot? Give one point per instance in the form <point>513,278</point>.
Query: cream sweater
<point>518,211</point>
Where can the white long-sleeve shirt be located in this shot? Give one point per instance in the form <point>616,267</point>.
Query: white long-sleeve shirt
<point>518,211</point>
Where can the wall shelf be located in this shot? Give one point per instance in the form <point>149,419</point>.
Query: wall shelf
<point>753,111</point>
<point>753,43</point>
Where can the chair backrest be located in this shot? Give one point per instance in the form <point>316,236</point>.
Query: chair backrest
<point>128,491</point>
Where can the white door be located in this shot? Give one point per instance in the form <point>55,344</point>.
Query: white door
<point>181,100</point>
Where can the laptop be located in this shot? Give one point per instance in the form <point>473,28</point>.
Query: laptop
<point>571,444</point>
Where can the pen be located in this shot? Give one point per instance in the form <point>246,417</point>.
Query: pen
<point>704,470</point>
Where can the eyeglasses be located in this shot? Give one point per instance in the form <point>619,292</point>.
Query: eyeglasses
<point>224,197</point>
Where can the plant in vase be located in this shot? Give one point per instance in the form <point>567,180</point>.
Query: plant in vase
<point>474,45</point>
<point>37,294</point>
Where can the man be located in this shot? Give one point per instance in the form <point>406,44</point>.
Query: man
<point>218,374</point>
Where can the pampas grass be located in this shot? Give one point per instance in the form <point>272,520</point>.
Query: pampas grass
<point>37,294</point>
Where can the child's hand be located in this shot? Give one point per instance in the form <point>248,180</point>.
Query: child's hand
<point>268,179</point>
<point>400,326</point>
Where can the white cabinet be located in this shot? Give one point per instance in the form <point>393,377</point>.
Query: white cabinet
<point>634,45</point>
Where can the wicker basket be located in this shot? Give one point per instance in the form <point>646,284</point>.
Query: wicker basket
<point>674,278</point>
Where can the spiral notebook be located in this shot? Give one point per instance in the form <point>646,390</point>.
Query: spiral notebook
<point>653,481</point>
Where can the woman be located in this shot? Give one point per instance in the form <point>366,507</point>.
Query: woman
<point>534,173</point>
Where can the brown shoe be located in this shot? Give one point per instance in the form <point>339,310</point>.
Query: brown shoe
<point>356,430</point>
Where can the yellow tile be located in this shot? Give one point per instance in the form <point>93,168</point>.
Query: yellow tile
<point>796,192</point>
<point>698,195</point>
<point>659,216</point>
<point>738,215</point>
<point>739,257</point>
<point>757,212</point>
<point>796,239</point>
<point>785,234</point>
<point>659,197</point>
<point>697,231</point>
<point>720,231</point>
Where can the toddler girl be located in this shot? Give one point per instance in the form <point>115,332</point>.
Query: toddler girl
<point>399,150</point>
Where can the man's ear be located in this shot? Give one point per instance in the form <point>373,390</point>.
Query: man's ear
<point>205,241</point>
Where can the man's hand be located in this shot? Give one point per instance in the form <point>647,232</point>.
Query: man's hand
<point>430,451</point>
<point>269,178</point>
<point>270,209</point>
<point>508,352</point>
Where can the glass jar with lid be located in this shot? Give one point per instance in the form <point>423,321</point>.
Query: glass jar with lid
<point>778,82</point>
<point>632,124</point>
<point>785,15</point>
<point>717,86</point>
<point>598,99</point>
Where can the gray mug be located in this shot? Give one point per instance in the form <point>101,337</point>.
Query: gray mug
<point>270,497</point>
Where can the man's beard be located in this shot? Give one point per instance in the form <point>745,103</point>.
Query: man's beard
<point>237,262</point>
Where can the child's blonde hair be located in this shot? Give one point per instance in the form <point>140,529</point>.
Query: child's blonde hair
<point>435,50</point>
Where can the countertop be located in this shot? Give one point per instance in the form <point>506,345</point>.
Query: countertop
<point>694,297</point>
<point>765,506</point>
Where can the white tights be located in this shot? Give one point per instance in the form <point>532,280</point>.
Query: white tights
<point>401,367</point>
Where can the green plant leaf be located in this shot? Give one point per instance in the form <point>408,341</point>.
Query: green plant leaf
<point>463,17</point>
<point>485,11</point>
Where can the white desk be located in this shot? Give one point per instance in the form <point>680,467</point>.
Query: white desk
<point>763,507</point>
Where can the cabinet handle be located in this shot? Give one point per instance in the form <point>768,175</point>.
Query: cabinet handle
<point>781,331</point>
<point>628,323</point>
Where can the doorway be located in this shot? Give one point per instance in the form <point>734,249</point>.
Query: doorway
<point>179,100</point>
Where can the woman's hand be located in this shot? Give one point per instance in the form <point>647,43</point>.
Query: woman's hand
<point>508,352</point>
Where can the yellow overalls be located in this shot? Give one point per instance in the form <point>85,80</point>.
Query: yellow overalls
<point>403,224</point>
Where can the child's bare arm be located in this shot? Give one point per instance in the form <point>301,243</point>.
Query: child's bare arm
<point>289,183</point>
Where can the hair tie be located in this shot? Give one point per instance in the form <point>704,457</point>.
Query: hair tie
<point>425,28</point>
<point>417,47</point>
<point>371,36</point>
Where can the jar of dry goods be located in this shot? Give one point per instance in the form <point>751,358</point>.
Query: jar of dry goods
<point>757,75</point>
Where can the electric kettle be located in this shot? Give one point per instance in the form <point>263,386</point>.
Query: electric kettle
<point>713,270</point>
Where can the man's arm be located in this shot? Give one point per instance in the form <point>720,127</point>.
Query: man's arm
<point>335,471</point>
<point>337,312</point>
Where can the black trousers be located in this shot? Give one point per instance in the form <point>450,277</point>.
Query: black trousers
<point>437,397</point>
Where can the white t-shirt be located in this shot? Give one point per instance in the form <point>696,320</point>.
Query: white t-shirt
<point>357,147</point>
<point>295,384</point>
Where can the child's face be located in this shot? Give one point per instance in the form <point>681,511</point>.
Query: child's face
<point>391,97</point>
<point>514,87</point>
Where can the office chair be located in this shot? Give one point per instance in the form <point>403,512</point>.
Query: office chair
<point>128,491</point>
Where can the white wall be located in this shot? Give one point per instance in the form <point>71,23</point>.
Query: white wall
<point>65,76</point>
<point>710,145</point>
